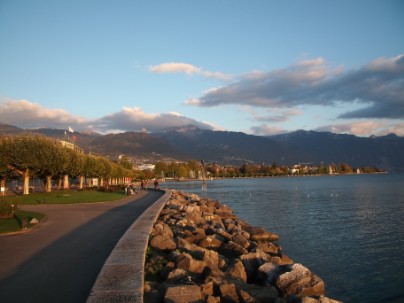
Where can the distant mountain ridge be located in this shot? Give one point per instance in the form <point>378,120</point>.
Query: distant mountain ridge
<point>226,147</point>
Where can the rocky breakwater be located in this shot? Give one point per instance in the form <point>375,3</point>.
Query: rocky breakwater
<point>200,251</point>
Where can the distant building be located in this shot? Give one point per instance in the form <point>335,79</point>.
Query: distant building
<point>71,146</point>
<point>147,167</point>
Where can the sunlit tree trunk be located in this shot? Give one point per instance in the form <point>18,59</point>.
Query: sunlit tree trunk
<point>81,182</point>
<point>26,182</point>
<point>48,184</point>
<point>66,182</point>
<point>3,186</point>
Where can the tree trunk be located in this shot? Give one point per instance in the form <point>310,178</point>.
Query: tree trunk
<point>48,184</point>
<point>26,182</point>
<point>66,182</point>
<point>81,182</point>
<point>3,186</point>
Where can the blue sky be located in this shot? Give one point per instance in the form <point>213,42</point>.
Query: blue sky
<point>260,67</point>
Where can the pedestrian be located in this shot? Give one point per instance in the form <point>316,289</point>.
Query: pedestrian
<point>156,184</point>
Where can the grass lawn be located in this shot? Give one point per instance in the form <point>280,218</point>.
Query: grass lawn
<point>16,223</point>
<point>56,197</point>
<point>65,197</point>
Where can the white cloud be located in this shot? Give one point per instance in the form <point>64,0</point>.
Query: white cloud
<point>189,69</point>
<point>265,130</point>
<point>175,67</point>
<point>366,128</point>
<point>133,118</point>
<point>26,114</point>
<point>378,85</point>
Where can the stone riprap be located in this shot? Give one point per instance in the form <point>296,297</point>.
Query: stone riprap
<point>200,251</point>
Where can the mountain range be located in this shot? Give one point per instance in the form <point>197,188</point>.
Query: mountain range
<point>226,147</point>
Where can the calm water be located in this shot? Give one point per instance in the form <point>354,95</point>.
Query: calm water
<point>349,230</point>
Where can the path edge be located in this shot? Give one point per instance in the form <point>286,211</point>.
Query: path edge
<point>121,278</point>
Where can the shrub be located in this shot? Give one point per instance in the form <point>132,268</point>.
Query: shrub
<point>6,209</point>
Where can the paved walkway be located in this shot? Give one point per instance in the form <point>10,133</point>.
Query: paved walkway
<point>60,259</point>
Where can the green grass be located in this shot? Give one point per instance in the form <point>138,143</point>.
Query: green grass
<point>65,197</point>
<point>57,197</point>
<point>16,223</point>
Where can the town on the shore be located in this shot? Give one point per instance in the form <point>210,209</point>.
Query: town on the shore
<point>36,163</point>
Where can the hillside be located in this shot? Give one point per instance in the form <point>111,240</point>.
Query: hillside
<point>384,152</point>
<point>224,147</point>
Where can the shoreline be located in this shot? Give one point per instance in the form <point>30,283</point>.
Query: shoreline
<point>200,251</point>
<point>167,180</point>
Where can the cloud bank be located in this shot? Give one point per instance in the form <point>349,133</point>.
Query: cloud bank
<point>189,69</point>
<point>133,118</point>
<point>25,114</point>
<point>379,86</point>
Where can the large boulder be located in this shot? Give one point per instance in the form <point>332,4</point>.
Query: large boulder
<point>252,261</point>
<point>210,242</point>
<point>186,262</point>
<point>163,229</point>
<point>237,271</point>
<point>229,293</point>
<point>241,240</point>
<point>183,294</point>
<point>163,243</point>
<point>232,250</point>
<point>301,282</point>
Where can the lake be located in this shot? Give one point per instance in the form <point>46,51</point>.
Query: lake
<point>347,229</point>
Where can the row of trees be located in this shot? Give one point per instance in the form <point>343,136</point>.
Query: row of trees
<point>193,169</point>
<point>37,156</point>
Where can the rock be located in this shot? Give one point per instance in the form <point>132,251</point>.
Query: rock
<point>208,289</point>
<point>232,250</point>
<point>241,240</point>
<point>196,251</point>
<point>176,275</point>
<point>221,232</point>
<point>328,300</point>
<point>309,300</point>
<point>211,299</point>
<point>210,242</point>
<point>271,273</point>
<point>195,218</point>
<point>183,294</point>
<point>300,282</point>
<point>192,208</point>
<point>285,260</point>
<point>246,298</point>
<point>269,247</point>
<point>237,271</point>
<point>254,230</point>
<point>34,221</point>
<point>162,229</point>
<point>229,293</point>
<point>252,261</point>
<point>264,236</point>
<point>162,243</point>
<point>186,262</point>
<point>258,293</point>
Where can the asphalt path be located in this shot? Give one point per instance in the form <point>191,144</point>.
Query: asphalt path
<point>59,260</point>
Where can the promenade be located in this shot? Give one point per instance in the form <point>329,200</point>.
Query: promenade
<point>59,260</point>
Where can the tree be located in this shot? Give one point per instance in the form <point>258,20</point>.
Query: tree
<point>125,162</point>
<point>25,155</point>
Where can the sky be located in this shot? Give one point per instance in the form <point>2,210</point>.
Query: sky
<point>258,67</point>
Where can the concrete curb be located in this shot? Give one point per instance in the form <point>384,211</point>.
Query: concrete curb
<point>122,276</point>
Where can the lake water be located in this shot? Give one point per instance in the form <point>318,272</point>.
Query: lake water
<point>349,230</point>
